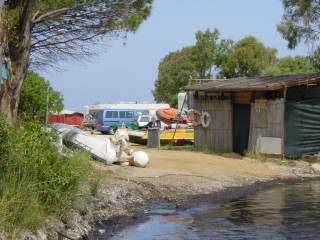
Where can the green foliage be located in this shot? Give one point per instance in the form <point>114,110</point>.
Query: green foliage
<point>175,70</point>
<point>300,22</point>
<point>178,67</point>
<point>94,187</point>
<point>225,49</point>
<point>315,59</point>
<point>70,29</point>
<point>36,182</point>
<point>174,101</point>
<point>47,5</point>
<point>290,66</point>
<point>255,155</point>
<point>33,98</point>
<point>204,53</point>
<point>247,57</point>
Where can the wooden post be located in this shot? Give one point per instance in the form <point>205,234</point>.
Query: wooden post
<point>284,121</point>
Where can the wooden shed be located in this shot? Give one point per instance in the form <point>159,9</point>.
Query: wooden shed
<point>275,115</point>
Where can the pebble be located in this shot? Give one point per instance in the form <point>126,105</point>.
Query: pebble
<point>102,231</point>
<point>316,167</point>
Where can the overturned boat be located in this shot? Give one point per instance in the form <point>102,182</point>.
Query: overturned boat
<point>101,148</point>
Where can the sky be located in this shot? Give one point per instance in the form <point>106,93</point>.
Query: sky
<point>128,73</point>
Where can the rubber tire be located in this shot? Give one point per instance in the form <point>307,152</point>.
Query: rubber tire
<point>111,131</point>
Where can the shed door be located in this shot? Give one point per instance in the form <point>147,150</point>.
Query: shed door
<point>241,125</point>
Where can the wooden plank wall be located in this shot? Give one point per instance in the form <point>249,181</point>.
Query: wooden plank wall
<point>242,97</point>
<point>272,126</point>
<point>218,136</point>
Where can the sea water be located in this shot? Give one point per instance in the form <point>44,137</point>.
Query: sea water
<point>285,212</point>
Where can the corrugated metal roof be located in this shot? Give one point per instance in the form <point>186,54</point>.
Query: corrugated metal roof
<point>256,83</point>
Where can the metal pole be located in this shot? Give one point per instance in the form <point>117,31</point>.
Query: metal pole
<point>47,107</point>
<point>175,130</point>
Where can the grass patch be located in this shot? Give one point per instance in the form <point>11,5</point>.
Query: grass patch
<point>37,184</point>
<point>255,155</point>
<point>287,162</point>
<point>280,161</point>
<point>185,147</point>
<point>94,186</point>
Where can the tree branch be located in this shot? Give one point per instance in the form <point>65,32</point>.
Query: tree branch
<point>41,17</point>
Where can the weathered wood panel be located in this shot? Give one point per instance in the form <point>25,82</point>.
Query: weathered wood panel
<point>242,97</point>
<point>218,136</point>
<point>274,121</point>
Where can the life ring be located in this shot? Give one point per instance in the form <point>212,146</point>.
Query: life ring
<point>196,124</point>
<point>205,119</point>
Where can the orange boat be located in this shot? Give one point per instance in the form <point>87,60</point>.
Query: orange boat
<point>170,116</point>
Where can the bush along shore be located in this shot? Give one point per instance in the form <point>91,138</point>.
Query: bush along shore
<point>37,183</point>
<point>48,195</point>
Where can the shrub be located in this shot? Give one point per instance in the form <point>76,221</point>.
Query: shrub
<point>36,182</point>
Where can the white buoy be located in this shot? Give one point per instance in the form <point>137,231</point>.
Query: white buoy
<point>140,159</point>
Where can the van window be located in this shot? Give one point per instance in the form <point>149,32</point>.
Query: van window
<point>112,114</point>
<point>126,114</point>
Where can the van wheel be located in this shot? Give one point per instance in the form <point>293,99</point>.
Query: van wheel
<point>104,132</point>
<point>111,130</point>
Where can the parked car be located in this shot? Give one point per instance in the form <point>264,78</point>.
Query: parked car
<point>142,120</point>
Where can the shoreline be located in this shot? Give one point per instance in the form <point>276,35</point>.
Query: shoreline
<point>178,179</point>
<point>117,223</point>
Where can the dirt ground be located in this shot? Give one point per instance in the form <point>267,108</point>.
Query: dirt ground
<point>197,163</point>
<point>179,178</point>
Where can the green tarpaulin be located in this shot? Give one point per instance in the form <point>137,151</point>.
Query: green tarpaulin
<point>302,128</point>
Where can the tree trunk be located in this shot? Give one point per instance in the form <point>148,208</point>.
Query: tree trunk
<point>17,55</point>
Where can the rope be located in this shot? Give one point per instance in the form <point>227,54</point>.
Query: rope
<point>175,130</point>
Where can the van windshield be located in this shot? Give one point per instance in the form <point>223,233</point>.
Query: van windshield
<point>134,119</point>
<point>144,119</point>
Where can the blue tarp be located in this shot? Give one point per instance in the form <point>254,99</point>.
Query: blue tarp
<point>4,73</point>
